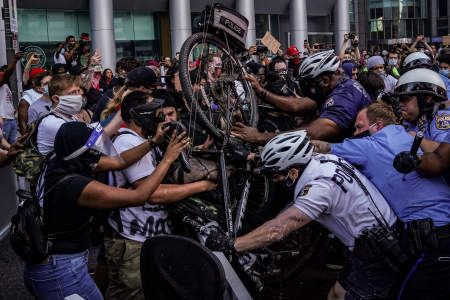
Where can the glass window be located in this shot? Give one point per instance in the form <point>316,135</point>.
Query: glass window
<point>424,8</point>
<point>144,28</point>
<point>123,26</point>
<point>387,13</point>
<point>274,26</point>
<point>387,29</point>
<point>395,29</point>
<point>409,28</point>
<point>61,24</point>
<point>262,25</point>
<point>411,12</point>
<point>379,12</point>
<point>372,13</point>
<point>28,21</point>
<point>442,8</point>
<point>395,12</point>
<point>84,25</point>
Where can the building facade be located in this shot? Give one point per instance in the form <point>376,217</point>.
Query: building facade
<point>152,29</point>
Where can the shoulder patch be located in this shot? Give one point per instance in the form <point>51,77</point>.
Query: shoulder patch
<point>329,102</point>
<point>305,190</point>
<point>443,121</point>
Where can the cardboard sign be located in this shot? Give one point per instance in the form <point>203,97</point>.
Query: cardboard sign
<point>270,42</point>
<point>446,40</point>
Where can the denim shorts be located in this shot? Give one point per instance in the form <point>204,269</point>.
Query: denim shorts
<point>64,276</point>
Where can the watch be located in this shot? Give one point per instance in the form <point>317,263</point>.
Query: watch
<point>152,143</point>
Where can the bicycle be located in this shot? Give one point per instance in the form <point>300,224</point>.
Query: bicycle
<point>218,96</point>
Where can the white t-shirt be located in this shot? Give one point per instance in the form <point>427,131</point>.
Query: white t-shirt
<point>6,104</point>
<point>328,195</point>
<point>38,108</point>
<point>47,130</point>
<point>141,222</point>
<point>60,59</point>
<point>31,96</point>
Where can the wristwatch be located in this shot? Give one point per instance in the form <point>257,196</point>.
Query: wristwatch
<point>152,144</point>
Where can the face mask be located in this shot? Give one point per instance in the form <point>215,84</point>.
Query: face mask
<point>70,104</point>
<point>392,62</point>
<point>382,73</point>
<point>444,72</point>
<point>46,89</point>
<point>363,133</point>
<point>62,51</point>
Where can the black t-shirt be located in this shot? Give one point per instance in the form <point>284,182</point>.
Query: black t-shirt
<point>62,213</point>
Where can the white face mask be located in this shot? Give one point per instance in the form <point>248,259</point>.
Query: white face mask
<point>70,104</point>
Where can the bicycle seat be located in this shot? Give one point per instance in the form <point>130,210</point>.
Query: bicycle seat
<point>176,267</point>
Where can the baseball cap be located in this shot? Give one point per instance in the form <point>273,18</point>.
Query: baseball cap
<point>84,36</point>
<point>36,71</point>
<point>292,51</point>
<point>142,76</point>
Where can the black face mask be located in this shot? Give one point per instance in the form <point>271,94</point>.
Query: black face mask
<point>361,135</point>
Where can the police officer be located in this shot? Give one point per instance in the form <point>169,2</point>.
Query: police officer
<point>419,90</point>
<point>419,202</point>
<point>335,194</point>
<point>337,97</point>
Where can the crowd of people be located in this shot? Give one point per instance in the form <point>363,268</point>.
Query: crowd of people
<point>337,129</point>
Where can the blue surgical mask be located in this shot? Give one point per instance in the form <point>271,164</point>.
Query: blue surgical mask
<point>393,62</point>
<point>46,89</point>
<point>444,72</point>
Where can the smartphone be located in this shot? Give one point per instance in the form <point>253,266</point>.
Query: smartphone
<point>305,41</point>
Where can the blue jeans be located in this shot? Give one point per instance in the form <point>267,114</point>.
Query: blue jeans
<point>10,130</point>
<point>62,276</point>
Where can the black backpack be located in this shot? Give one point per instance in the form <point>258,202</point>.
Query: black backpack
<point>27,236</point>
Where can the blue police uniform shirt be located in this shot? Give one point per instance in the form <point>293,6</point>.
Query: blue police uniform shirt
<point>344,103</point>
<point>439,127</point>
<point>447,84</point>
<point>411,196</point>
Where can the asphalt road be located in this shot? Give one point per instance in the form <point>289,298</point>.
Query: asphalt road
<point>312,284</point>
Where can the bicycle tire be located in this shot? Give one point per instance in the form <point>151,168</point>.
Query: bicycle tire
<point>185,81</point>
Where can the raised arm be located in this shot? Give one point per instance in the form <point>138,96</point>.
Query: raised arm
<point>99,195</point>
<point>343,47</point>
<point>10,68</point>
<point>299,107</point>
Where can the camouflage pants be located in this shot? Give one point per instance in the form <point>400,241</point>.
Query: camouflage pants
<point>123,257</point>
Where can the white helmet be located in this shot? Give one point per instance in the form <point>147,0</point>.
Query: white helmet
<point>286,150</point>
<point>416,60</point>
<point>316,64</point>
<point>421,81</point>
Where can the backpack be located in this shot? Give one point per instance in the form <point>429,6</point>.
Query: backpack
<point>27,236</point>
<point>30,163</point>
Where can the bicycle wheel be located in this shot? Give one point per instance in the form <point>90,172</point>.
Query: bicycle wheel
<point>216,102</point>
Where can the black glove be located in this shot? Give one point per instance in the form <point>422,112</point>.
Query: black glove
<point>405,163</point>
<point>218,241</point>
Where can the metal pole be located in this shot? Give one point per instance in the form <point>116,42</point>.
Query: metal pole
<point>3,60</point>
<point>341,22</point>
<point>102,29</point>
<point>180,23</point>
<point>247,9</point>
<point>298,23</point>
<point>433,19</point>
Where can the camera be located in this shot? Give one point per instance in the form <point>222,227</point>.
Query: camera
<point>351,36</point>
<point>261,49</point>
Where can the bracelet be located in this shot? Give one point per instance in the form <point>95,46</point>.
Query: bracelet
<point>152,144</point>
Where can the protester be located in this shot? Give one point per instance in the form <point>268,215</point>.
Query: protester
<point>72,198</point>
<point>376,64</point>
<point>42,105</point>
<point>105,80</point>
<point>6,102</point>
<point>130,227</point>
